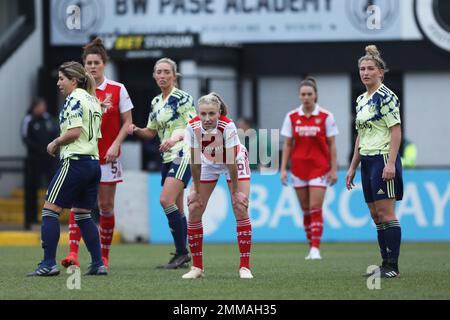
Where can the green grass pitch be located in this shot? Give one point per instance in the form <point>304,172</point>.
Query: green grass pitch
<point>280,273</point>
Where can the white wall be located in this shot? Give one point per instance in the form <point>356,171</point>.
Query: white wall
<point>278,96</point>
<point>18,85</point>
<point>223,81</point>
<point>246,92</point>
<point>427,116</point>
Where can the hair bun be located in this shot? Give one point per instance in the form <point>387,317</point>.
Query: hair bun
<point>97,41</point>
<point>311,79</point>
<point>372,50</point>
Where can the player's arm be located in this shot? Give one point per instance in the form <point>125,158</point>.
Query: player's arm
<point>194,198</point>
<point>143,133</point>
<point>231,154</point>
<point>396,138</point>
<point>353,166</point>
<point>287,148</point>
<point>177,136</point>
<point>73,132</point>
<point>287,132</point>
<point>196,168</point>
<point>193,141</point>
<point>239,200</point>
<point>186,112</point>
<point>113,151</point>
<point>67,138</point>
<point>332,175</point>
<point>391,116</point>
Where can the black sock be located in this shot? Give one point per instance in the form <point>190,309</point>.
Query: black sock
<point>393,238</point>
<point>382,242</point>
<point>91,237</point>
<point>176,228</point>
<point>183,218</point>
<point>50,231</point>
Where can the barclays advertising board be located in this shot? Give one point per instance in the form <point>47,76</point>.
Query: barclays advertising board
<point>424,213</point>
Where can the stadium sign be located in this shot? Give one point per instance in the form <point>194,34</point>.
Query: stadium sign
<point>276,215</point>
<point>380,13</point>
<point>148,45</point>
<point>433,19</point>
<point>234,21</point>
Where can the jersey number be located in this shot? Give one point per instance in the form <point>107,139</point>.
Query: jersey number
<point>94,124</point>
<point>114,167</point>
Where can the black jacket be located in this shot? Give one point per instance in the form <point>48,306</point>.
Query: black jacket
<point>38,132</point>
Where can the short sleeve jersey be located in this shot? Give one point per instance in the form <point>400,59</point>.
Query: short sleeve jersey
<point>111,120</point>
<point>170,116</point>
<point>375,115</point>
<point>81,110</point>
<point>214,141</point>
<point>310,156</point>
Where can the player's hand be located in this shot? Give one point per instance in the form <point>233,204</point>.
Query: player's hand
<point>388,172</point>
<point>112,153</point>
<point>349,184</point>
<point>106,104</point>
<point>131,129</point>
<point>52,148</point>
<point>167,145</point>
<point>284,177</point>
<point>239,200</point>
<point>332,177</point>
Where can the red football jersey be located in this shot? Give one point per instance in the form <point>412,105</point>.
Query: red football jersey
<point>310,157</point>
<point>214,142</point>
<point>111,121</point>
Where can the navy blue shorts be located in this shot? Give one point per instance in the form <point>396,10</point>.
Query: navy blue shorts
<point>75,184</point>
<point>374,187</point>
<point>180,171</point>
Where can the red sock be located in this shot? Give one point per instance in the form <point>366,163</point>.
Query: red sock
<point>307,224</point>
<point>195,240</point>
<point>106,231</point>
<point>316,227</point>
<point>74,234</point>
<point>244,236</point>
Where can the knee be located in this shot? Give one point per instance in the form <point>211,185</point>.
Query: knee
<point>240,212</point>
<point>374,215</point>
<point>196,210</point>
<point>106,205</point>
<point>166,202</point>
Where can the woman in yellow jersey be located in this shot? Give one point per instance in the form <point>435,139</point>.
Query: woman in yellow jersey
<point>170,113</point>
<point>377,145</point>
<point>75,184</point>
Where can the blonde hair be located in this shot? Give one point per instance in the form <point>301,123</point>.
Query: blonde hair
<point>172,64</point>
<point>214,98</point>
<point>373,54</point>
<point>74,70</point>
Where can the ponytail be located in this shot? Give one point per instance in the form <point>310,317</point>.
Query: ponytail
<point>214,98</point>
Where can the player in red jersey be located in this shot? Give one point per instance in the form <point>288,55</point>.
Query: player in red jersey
<point>115,120</point>
<point>215,149</point>
<point>309,133</point>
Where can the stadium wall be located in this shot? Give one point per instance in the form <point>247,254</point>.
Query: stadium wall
<point>426,119</point>
<point>424,212</point>
<point>19,84</point>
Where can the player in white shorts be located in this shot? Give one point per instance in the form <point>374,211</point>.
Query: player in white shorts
<point>215,150</point>
<point>319,182</point>
<point>310,145</point>
<point>116,118</point>
<point>211,172</point>
<point>111,172</point>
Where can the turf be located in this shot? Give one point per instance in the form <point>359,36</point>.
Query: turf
<point>280,273</point>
